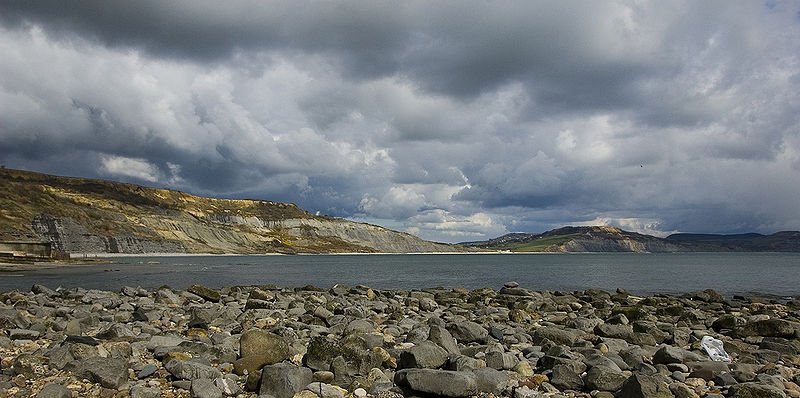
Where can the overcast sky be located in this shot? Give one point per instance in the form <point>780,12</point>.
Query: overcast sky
<point>452,120</point>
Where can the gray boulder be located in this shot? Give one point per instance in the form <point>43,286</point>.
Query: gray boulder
<point>669,354</point>
<point>145,392</point>
<point>324,390</point>
<point>557,335</point>
<point>439,382</point>
<point>769,328</point>
<point>206,293</point>
<point>190,370</point>
<point>643,386</point>
<point>755,390</point>
<point>53,390</point>
<point>500,360</point>
<point>227,384</point>
<point>116,331</point>
<point>468,332</point>
<point>205,388</point>
<point>42,289</point>
<point>618,331</point>
<point>108,372</point>
<point>63,357</point>
<point>359,326</point>
<point>680,390</point>
<point>596,359</point>
<point>322,352</point>
<point>462,362</point>
<point>566,377</point>
<point>707,370</point>
<point>283,380</point>
<point>490,380</point>
<point>426,355</point>
<point>604,378</point>
<point>443,338</point>
<point>259,348</point>
<point>23,334</point>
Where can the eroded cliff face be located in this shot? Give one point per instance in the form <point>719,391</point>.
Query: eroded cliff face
<point>92,216</point>
<point>583,239</point>
<point>619,245</point>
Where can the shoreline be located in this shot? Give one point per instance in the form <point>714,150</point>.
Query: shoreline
<point>360,342</point>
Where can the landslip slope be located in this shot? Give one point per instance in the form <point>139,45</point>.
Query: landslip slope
<point>94,216</point>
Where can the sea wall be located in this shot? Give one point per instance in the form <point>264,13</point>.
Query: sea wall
<point>26,249</point>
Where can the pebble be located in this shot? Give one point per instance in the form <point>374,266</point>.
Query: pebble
<point>360,342</point>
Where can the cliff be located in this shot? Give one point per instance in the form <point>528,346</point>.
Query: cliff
<point>94,216</point>
<point>610,239</point>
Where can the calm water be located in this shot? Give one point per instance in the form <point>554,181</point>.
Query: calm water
<point>729,273</point>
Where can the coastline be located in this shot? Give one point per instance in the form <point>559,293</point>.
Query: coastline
<point>360,342</point>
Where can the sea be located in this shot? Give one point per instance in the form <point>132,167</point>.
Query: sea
<point>771,274</point>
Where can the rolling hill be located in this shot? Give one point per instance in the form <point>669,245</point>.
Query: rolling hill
<point>610,239</point>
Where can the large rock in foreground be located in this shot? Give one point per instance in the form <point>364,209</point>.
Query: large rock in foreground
<point>438,382</point>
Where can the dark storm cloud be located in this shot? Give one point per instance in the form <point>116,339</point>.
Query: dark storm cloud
<point>453,120</point>
<point>456,48</point>
<point>213,31</point>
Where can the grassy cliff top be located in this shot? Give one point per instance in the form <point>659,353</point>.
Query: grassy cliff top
<point>24,195</point>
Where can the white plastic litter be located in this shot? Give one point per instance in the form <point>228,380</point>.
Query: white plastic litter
<point>715,349</point>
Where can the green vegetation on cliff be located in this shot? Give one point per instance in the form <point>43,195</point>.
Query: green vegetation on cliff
<point>610,239</point>
<point>86,215</point>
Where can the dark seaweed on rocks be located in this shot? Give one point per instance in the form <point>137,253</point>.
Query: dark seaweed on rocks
<point>361,342</point>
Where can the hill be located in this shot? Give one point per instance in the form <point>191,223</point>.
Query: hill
<point>610,239</point>
<point>81,215</point>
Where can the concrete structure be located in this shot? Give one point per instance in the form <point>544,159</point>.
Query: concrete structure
<point>25,250</point>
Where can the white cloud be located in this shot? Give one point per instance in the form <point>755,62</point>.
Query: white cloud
<point>117,166</point>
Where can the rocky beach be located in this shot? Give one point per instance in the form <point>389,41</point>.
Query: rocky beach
<point>268,341</point>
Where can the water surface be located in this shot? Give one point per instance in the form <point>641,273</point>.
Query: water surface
<point>729,273</point>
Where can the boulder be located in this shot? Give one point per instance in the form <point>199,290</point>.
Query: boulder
<point>468,332</point>
<point>500,360</point>
<point>619,331</point>
<point>459,362</point>
<point>205,388</point>
<point>53,390</point>
<point>668,354</point>
<point>322,351</point>
<point>145,392</point>
<point>643,386</point>
<point>190,370</point>
<point>557,335</point>
<point>283,380</point>
<point>108,372</point>
<point>23,334</point>
<point>490,380</point>
<point>680,390</point>
<point>604,378</point>
<point>439,382</point>
<point>443,338</point>
<point>755,390</point>
<point>258,348</point>
<point>424,355</point>
<point>566,377</point>
<point>769,328</point>
<point>707,370</point>
<point>206,293</point>
<point>359,326</point>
